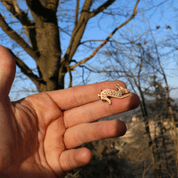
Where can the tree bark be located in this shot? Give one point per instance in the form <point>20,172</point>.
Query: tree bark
<point>43,43</point>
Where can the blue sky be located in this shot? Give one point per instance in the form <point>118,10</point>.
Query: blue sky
<point>101,26</point>
<point>165,15</point>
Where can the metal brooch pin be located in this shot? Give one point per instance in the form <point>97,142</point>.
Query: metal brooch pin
<point>119,93</point>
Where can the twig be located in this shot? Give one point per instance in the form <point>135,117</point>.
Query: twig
<point>107,39</point>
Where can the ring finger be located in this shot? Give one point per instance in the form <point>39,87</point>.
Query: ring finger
<point>96,110</point>
<point>87,132</point>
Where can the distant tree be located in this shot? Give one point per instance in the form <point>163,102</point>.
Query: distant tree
<point>140,64</point>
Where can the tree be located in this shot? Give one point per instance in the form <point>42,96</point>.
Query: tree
<point>40,36</point>
<point>138,59</point>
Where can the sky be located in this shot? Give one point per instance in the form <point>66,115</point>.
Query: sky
<point>165,15</point>
<point>102,26</point>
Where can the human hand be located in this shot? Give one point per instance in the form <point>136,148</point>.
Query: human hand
<point>39,134</point>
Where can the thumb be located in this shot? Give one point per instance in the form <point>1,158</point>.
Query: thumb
<point>7,71</point>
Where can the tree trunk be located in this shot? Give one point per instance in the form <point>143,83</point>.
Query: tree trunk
<point>48,45</point>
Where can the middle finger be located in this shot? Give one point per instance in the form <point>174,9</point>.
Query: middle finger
<point>96,110</point>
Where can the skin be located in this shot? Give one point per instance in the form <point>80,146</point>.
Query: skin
<point>39,134</point>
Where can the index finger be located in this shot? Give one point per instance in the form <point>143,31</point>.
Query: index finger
<point>80,95</point>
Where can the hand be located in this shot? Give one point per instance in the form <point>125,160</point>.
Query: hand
<point>39,134</point>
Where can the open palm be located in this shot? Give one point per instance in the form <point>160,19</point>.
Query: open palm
<point>39,134</point>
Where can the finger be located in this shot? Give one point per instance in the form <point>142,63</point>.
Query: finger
<point>79,95</point>
<point>87,132</point>
<point>74,158</point>
<point>99,109</point>
<point>7,71</point>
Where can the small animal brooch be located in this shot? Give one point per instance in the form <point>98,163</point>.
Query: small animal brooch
<point>119,93</point>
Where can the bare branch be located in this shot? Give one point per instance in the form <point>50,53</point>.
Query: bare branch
<point>48,12</point>
<point>80,27</point>
<point>107,39</point>
<point>26,70</point>
<point>13,8</point>
<point>101,8</point>
<point>89,41</point>
<point>13,35</point>
<point>77,32</point>
<point>17,9</point>
<point>24,20</point>
<point>77,12</point>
